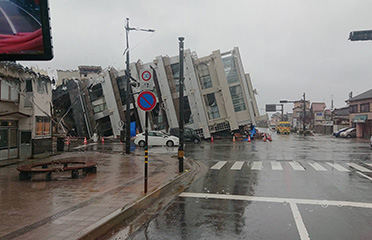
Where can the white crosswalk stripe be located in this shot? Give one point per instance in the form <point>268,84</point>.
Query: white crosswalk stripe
<point>317,166</point>
<point>219,165</point>
<point>369,164</point>
<point>357,167</point>
<point>257,166</point>
<point>237,165</point>
<point>276,166</point>
<point>296,166</point>
<point>338,167</point>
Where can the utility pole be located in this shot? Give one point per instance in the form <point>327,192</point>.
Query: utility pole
<point>128,78</point>
<point>180,149</point>
<point>304,128</point>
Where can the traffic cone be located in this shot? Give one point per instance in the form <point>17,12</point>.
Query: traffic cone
<point>68,141</point>
<point>269,137</point>
<point>85,140</point>
<point>264,138</point>
<point>234,138</point>
<point>103,140</point>
<point>249,138</point>
<point>211,139</point>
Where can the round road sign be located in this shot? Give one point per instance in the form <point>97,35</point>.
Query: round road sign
<point>146,76</point>
<point>146,100</point>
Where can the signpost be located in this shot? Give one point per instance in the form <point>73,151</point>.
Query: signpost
<point>146,82</point>
<point>146,101</point>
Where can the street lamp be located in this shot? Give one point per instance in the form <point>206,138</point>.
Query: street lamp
<point>181,135</point>
<point>128,78</point>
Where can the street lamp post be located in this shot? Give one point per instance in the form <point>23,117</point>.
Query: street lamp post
<point>128,78</point>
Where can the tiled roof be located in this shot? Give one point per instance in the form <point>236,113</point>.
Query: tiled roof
<point>362,96</point>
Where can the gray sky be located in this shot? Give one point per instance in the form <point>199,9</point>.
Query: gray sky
<point>288,46</point>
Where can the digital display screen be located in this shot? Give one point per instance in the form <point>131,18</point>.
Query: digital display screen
<point>24,30</point>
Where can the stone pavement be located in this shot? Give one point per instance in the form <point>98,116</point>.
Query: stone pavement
<point>67,208</point>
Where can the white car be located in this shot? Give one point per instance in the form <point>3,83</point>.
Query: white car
<point>156,138</point>
<point>350,133</point>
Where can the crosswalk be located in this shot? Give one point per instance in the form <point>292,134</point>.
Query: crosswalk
<point>293,165</point>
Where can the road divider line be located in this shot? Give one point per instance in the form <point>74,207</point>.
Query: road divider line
<point>304,235</point>
<point>219,165</point>
<point>257,166</point>
<point>369,164</point>
<point>296,166</point>
<point>357,167</point>
<point>363,175</point>
<point>278,200</point>
<point>338,167</point>
<point>276,166</point>
<point>237,165</point>
<point>317,166</point>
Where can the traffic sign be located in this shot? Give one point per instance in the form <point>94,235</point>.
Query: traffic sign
<point>146,82</point>
<point>146,100</point>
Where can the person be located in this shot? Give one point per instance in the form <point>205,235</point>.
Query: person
<point>253,130</point>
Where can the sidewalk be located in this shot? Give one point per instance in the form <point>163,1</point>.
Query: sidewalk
<point>67,208</point>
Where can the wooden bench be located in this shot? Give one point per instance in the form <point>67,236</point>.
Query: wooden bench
<point>27,171</point>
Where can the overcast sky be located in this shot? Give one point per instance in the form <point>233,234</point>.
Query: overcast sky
<point>288,46</point>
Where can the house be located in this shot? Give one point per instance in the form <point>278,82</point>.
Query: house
<point>360,113</point>
<point>25,112</point>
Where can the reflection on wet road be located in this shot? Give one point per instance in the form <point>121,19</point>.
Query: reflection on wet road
<point>292,188</point>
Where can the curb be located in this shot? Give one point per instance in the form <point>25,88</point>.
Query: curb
<point>122,217</point>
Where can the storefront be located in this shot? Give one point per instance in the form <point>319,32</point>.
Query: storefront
<point>8,139</point>
<point>363,126</point>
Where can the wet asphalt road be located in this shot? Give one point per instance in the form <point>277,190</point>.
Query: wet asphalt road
<point>295,187</point>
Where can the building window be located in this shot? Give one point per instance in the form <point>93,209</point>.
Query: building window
<point>40,86</point>
<point>99,108</point>
<point>212,108</point>
<point>204,75</point>
<point>230,69</point>
<point>237,98</point>
<point>176,76</point>
<point>42,126</point>
<point>319,114</point>
<point>353,108</point>
<point>9,91</point>
<point>96,92</point>
<point>364,107</point>
<point>187,111</point>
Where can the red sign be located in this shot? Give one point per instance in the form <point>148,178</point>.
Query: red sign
<point>146,100</point>
<point>146,76</point>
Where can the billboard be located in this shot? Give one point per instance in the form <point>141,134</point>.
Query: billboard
<point>24,30</point>
<point>270,107</point>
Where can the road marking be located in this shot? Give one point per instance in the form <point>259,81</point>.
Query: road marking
<point>304,235</point>
<point>237,165</point>
<point>276,166</point>
<point>369,164</point>
<point>219,165</point>
<point>357,167</point>
<point>317,166</point>
<point>338,167</point>
<point>296,166</point>
<point>257,166</point>
<point>364,175</point>
<point>278,200</point>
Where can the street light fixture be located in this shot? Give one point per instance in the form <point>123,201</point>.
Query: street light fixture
<point>128,78</point>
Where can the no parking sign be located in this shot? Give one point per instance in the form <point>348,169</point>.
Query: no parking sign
<point>146,100</point>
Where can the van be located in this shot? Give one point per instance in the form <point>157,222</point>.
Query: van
<point>188,133</point>
<point>283,127</point>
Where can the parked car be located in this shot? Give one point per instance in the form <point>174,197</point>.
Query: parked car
<point>350,133</point>
<point>156,138</point>
<point>188,133</point>
<point>338,132</point>
<point>370,141</point>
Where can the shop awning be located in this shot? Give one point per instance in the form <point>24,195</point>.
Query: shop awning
<point>360,119</point>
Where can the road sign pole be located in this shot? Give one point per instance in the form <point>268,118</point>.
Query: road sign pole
<point>146,147</point>
<point>180,149</point>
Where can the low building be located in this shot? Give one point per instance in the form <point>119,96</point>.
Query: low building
<point>360,113</point>
<point>25,112</point>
